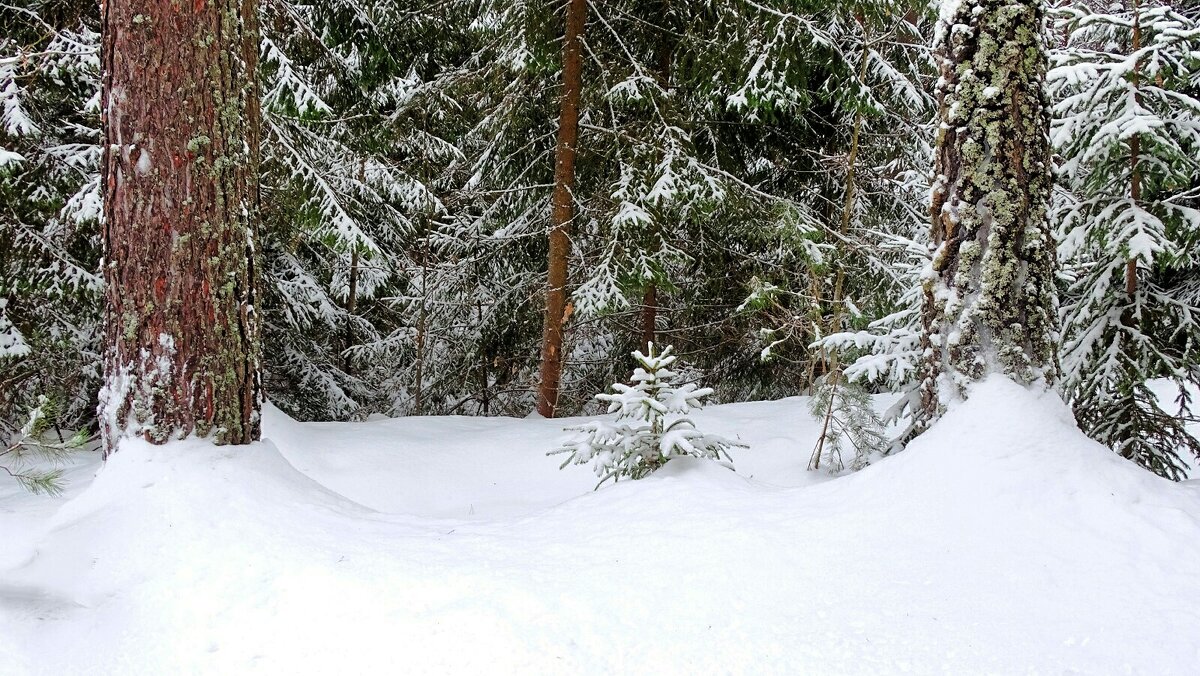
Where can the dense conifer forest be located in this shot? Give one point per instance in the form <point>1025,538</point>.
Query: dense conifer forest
<point>599,337</point>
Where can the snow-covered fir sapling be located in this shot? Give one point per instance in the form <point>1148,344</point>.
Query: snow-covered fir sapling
<point>651,426</point>
<point>848,423</point>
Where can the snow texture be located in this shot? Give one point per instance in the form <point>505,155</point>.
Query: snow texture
<point>1002,541</point>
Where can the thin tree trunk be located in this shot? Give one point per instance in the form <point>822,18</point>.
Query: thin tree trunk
<point>180,179</point>
<point>351,305</point>
<point>666,48</point>
<point>485,393</point>
<point>848,201</point>
<point>352,290</point>
<point>835,323</point>
<point>814,462</point>
<point>649,316</point>
<point>562,210</point>
<point>1135,193</point>
<point>422,319</point>
<point>486,398</point>
<point>1135,149</point>
<point>422,315</point>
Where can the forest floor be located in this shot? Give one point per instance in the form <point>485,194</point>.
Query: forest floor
<point>1002,541</point>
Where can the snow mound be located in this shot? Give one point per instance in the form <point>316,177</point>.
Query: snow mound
<point>165,506</point>
<point>1008,447</point>
<point>165,539</point>
<point>1002,541</point>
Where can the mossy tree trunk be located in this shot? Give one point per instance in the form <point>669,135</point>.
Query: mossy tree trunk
<point>562,209</point>
<point>989,301</point>
<point>180,179</point>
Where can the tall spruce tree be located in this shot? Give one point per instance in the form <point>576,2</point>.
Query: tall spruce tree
<point>989,292</point>
<point>179,171</point>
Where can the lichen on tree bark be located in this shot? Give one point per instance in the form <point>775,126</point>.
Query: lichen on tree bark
<point>180,178</point>
<point>989,301</point>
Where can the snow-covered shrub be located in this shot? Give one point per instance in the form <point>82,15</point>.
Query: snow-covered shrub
<point>650,427</point>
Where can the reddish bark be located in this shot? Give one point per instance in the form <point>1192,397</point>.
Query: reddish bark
<point>562,210</point>
<point>180,180</point>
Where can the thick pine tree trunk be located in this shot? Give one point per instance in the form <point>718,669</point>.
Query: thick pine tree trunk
<point>180,179</point>
<point>989,304</point>
<point>562,210</point>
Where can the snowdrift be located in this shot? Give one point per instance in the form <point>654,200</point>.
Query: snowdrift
<point>1001,541</point>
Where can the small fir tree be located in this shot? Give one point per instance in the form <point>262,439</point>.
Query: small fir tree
<point>849,423</point>
<point>651,427</point>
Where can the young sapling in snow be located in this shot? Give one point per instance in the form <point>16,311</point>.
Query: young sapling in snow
<point>848,422</point>
<point>650,427</point>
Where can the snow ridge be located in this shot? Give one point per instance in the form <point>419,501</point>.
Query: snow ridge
<point>1002,541</point>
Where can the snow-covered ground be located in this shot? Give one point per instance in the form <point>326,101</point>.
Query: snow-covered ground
<point>1002,541</point>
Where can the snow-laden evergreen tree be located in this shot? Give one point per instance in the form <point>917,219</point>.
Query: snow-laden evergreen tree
<point>1127,130</point>
<point>989,302</point>
<point>651,426</point>
<point>869,171</point>
<point>854,315</point>
<point>49,209</point>
<point>872,324</point>
<point>351,165</point>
